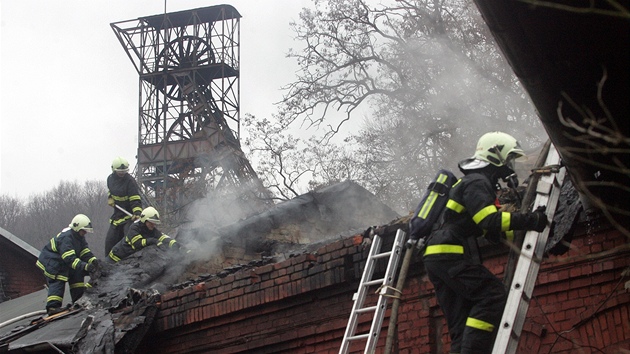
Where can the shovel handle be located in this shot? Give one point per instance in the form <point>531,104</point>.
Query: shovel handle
<point>123,210</point>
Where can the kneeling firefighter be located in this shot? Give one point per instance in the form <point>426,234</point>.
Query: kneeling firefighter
<point>470,296</point>
<point>141,234</point>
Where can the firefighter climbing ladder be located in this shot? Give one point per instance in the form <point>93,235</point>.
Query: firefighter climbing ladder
<point>384,285</point>
<point>521,289</point>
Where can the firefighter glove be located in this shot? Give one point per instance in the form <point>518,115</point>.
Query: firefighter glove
<point>90,267</point>
<point>135,216</point>
<point>152,241</point>
<point>111,202</point>
<point>538,219</point>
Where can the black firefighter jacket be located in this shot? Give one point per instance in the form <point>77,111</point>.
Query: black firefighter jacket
<point>124,191</point>
<point>471,211</point>
<point>66,252</point>
<point>138,237</point>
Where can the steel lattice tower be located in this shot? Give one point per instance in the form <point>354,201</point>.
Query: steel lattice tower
<point>189,128</point>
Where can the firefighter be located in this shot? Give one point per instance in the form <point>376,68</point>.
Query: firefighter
<point>470,296</point>
<point>122,194</point>
<point>141,234</point>
<point>67,259</point>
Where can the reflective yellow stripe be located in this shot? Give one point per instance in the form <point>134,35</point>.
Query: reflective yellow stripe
<point>75,263</point>
<point>84,252</point>
<point>120,199</point>
<point>428,204</point>
<point>481,214</point>
<point>119,221</point>
<point>53,246</point>
<point>91,260</point>
<point>135,239</point>
<point>162,238</point>
<point>455,206</point>
<point>137,209</point>
<point>509,235</point>
<point>68,254</point>
<point>77,285</point>
<point>49,275</point>
<point>479,324</point>
<point>113,256</point>
<point>134,197</point>
<point>54,298</point>
<point>170,244</point>
<point>438,249</point>
<point>505,221</point>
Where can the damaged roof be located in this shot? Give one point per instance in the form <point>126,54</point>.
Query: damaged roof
<point>119,308</point>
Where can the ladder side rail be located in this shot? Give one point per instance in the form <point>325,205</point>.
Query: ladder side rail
<point>530,281</point>
<point>359,296</point>
<point>526,273</point>
<point>388,281</point>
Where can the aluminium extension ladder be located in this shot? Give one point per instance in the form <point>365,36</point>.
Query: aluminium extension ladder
<point>384,284</point>
<point>522,287</point>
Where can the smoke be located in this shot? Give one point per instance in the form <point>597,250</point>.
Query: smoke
<point>207,216</point>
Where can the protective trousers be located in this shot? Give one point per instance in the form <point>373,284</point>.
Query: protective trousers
<point>115,233</point>
<point>56,289</point>
<point>472,300</point>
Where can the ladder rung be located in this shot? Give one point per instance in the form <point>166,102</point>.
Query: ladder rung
<point>365,309</point>
<point>382,255</point>
<point>359,336</point>
<point>373,282</point>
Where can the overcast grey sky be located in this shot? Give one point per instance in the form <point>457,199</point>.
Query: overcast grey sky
<point>69,93</point>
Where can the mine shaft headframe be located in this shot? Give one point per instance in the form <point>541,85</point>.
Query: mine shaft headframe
<point>189,128</point>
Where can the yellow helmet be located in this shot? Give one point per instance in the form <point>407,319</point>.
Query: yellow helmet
<point>150,214</point>
<point>81,222</point>
<point>120,164</point>
<point>499,149</point>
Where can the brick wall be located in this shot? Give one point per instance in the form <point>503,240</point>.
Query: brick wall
<point>18,273</point>
<point>302,305</point>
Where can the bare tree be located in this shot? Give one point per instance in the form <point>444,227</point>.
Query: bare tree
<point>44,215</point>
<point>428,73</point>
<point>11,211</point>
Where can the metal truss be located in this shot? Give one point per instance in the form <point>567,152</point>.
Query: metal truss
<point>189,128</point>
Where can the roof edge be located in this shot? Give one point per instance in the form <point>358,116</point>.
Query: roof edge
<point>19,242</point>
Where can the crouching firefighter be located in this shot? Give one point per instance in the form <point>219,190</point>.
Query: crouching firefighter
<point>141,234</point>
<point>67,259</point>
<point>470,296</point>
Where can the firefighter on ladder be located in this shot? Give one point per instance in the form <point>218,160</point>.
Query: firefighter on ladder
<point>67,259</point>
<point>141,234</point>
<point>122,194</point>
<point>470,296</point>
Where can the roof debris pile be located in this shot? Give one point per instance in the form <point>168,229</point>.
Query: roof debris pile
<point>112,316</point>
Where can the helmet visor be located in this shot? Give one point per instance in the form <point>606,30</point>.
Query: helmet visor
<point>510,162</point>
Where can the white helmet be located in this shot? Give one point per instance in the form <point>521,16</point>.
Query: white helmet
<point>120,164</point>
<point>81,222</point>
<point>499,149</point>
<point>150,214</point>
